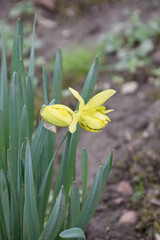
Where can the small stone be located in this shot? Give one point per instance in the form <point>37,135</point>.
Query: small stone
<point>128,136</point>
<point>124,187</point>
<point>151,80</point>
<point>47,4</point>
<point>47,23</point>
<point>155,202</point>
<point>156,57</point>
<point>129,88</point>
<point>145,134</point>
<point>70,13</point>
<point>129,217</point>
<point>118,200</point>
<point>156,236</point>
<point>66,33</point>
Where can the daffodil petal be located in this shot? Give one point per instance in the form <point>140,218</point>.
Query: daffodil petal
<point>60,106</point>
<point>100,98</point>
<point>109,110</point>
<point>73,126</point>
<point>79,98</point>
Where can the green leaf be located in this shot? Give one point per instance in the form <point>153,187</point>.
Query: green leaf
<point>14,126</point>
<point>30,105</point>
<point>90,82</point>
<point>15,53</point>
<point>44,186</point>
<point>73,233</point>
<point>2,143</point>
<point>37,145</point>
<point>3,234</point>
<point>57,78</point>
<point>5,202</point>
<point>30,207</point>
<point>56,219</point>
<point>74,204</point>
<point>62,173</point>
<point>91,202</point>
<point>14,210</point>
<point>31,65</point>
<point>106,170</point>
<point>84,172</point>
<point>4,92</point>
<point>22,140</point>
<point>45,85</point>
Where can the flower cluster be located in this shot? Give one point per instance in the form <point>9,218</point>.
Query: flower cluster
<point>91,116</point>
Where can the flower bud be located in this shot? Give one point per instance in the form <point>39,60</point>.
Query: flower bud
<point>57,115</point>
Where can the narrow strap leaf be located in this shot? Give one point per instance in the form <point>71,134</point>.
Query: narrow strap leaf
<point>106,170</point>
<point>84,172</point>
<point>73,233</point>
<point>57,78</point>
<point>4,101</point>
<point>31,64</point>
<point>30,207</point>
<point>74,204</point>
<point>56,218</point>
<point>91,202</point>
<point>5,202</point>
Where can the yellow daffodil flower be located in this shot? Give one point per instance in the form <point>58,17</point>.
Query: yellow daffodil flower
<point>57,115</point>
<point>92,116</point>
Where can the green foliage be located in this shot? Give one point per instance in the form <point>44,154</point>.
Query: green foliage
<point>21,8</point>
<point>29,209</point>
<point>76,62</point>
<point>139,191</point>
<point>131,43</point>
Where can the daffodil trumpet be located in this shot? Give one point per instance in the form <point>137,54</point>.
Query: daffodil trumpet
<point>91,116</point>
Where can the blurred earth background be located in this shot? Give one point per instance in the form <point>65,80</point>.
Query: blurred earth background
<point>125,34</point>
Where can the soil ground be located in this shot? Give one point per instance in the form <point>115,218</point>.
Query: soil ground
<point>130,205</point>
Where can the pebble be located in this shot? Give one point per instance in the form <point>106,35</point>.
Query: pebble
<point>124,187</point>
<point>127,135</point>
<point>128,217</point>
<point>118,200</point>
<point>155,202</point>
<point>129,87</point>
<point>156,236</point>
<point>47,23</point>
<point>66,33</point>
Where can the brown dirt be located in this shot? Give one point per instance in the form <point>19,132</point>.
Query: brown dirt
<point>133,132</point>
